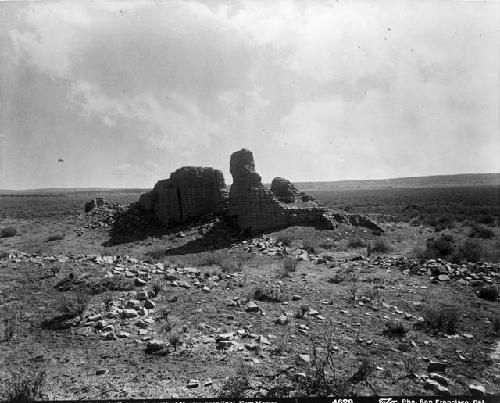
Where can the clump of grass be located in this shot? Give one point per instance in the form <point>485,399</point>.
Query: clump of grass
<point>115,283</point>
<point>327,244</point>
<point>268,295</point>
<point>495,324</point>
<point>170,322</point>
<point>470,251</point>
<point>234,263</point>
<point>55,237</point>
<point>440,247</point>
<point>356,242</point>
<point>324,378</point>
<point>214,258</point>
<point>289,266</point>
<point>175,339</point>
<point>440,318</point>
<point>309,247</point>
<point>55,269</point>
<point>395,329</point>
<point>9,326</point>
<point>301,312</point>
<point>336,279</point>
<point>286,240</point>
<point>371,293</point>
<point>8,232</point>
<point>74,304</point>
<point>479,231</point>
<point>380,246</point>
<point>237,385</point>
<point>489,293</point>
<point>23,387</point>
<point>156,288</point>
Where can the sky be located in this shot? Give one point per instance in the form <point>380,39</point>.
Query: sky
<point>126,92</point>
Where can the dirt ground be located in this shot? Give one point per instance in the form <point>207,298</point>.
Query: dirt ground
<point>295,312</point>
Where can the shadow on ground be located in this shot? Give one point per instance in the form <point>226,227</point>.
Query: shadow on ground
<point>135,224</point>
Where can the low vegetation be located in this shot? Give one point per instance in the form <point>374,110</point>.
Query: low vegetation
<point>24,386</point>
<point>8,232</point>
<point>438,318</point>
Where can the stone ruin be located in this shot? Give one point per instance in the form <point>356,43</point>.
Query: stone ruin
<point>192,192</point>
<point>94,203</point>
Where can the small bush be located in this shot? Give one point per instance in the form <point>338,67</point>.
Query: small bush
<point>379,246</point>
<point>356,243</point>
<point>395,329</point>
<point>170,322</point>
<point>336,279</point>
<point>268,295</point>
<point>489,293</point>
<point>156,288</point>
<point>8,330</point>
<point>495,323</point>
<point>285,240</point>
<point>115,283</point>
<point>236,386</point>
<point>301,312</point>
<point>55,269</point>
<point>438,318</point>
<point>478,231</point>
<point>55,237</point>
<point>175,339</point>
<point>212,258</point>
<point>8,232</point>
<point>234,263</point>
<point>485,219</point>
<point>24,387</point>
<point>74,304</point>
<point>289,266</point>
<point>439,248</point>
<point>327,244</point>
<point>470,251</point>
<point>309,247</point>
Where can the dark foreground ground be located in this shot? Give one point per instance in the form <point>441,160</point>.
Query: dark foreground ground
<point>196,311</point>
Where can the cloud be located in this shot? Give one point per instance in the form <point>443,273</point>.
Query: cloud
<point>363,89</point>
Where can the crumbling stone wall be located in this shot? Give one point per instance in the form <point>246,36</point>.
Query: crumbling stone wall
<point>286,192</point>
<point>190,192</point>
<point>254,208</point>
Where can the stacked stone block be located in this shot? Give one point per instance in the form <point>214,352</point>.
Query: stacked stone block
<point>190,192</point>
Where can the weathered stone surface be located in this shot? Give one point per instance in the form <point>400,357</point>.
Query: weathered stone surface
<point>190,192</point>
<point>92,204</point>
<point>286,192</point>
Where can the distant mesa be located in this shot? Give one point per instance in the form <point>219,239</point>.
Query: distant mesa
<point>192,192</point>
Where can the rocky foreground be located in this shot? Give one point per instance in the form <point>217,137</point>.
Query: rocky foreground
<point>131,300</point>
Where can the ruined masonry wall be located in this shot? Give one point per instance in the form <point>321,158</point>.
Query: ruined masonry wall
<point>254,207</point>
<point>189,193</point>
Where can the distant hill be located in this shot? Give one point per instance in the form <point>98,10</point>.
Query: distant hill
<point>488,179</point>
<point>459,180</point>
<point>59,191</point>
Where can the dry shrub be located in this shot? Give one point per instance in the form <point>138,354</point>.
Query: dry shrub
<point>380,246</point>
<point>356,243</point>
<point>289,266</point>
<point>440,318</point>
<point>395,329</point>
<point>237,385</point>
<point>8,232</point>
<point>55,237</point>
<point>286,240</point>
<point>489,293</point>
<point>21,387</point>
<point>268,295</point>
